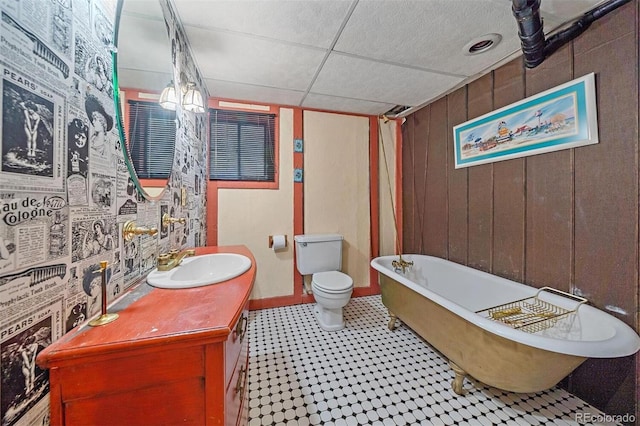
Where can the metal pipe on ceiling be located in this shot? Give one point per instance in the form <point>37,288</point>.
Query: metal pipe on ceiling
<point>535,48</point>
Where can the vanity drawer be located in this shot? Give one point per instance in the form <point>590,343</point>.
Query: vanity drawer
<point>234,343</point>
<point>243,416</point>
<point>173,403</point>
<point>114,374</point>
<point>238,389</point>
<point>135,390</point>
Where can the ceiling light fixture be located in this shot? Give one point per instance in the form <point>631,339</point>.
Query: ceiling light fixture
<point>482,44</point>
<point>191,99</point>
<point>168,98</point>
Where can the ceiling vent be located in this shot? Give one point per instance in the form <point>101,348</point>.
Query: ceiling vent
<point>396,110</point>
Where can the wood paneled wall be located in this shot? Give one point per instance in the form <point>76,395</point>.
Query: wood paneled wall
<point>566,219</point>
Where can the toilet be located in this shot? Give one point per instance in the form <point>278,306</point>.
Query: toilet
<point>320,255</point>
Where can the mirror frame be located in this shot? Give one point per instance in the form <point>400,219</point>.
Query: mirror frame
<point>120,119</point>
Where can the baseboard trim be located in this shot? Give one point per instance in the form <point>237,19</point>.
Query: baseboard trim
<point>280,301</point>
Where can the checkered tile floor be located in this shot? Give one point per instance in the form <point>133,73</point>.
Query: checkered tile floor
<point>368,375</point>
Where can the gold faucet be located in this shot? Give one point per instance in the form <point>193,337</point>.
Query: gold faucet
<point>168,220</point>
<point>130,230</point>
<point>168,261</point>
<point>104,318</point>
<point>401,264</point>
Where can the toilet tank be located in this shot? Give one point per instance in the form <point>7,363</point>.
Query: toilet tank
<point>318,253</point>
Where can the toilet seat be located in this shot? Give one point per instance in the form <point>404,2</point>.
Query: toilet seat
<point>332,281</point>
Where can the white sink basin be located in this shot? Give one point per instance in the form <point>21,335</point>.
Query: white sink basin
<point>201,270</point>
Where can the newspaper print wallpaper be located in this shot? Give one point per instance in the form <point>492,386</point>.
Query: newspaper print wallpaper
<point>65,191</point>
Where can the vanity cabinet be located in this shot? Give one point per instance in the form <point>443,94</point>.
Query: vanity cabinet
<point>172,357</point>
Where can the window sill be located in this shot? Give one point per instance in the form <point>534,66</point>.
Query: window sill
<point>244,184</point>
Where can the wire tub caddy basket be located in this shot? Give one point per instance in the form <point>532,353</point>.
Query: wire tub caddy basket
<point>532,314</point>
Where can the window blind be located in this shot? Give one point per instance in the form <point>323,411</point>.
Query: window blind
<point>152,136</point>
<point>242,146</point>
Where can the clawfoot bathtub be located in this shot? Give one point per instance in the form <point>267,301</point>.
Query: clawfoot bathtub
<point>447,305</point>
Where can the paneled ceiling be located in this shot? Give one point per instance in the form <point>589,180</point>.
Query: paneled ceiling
<point>356,56</point>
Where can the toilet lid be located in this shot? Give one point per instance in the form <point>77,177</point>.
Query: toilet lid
<point>332,281</point>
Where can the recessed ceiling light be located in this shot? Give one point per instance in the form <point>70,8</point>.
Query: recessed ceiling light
<point>482,44</point>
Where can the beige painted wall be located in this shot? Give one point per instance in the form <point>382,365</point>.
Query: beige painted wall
<point>336,185</point>
<point>336,199</point>
<point>249,216</point>
<point>386,212</point>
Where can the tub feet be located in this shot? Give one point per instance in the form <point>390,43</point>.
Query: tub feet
<point>458,381</point>
<point>392,321</point>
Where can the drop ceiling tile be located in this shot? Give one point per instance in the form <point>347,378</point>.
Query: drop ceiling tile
<point>555,13</point>
<point>271,51</point>
<point>246,59</point>
<point>313,23</point>
<point>247,92</point>
<point>563,10</point>
<point>429,34</point>
<point>338,104</point>
<point>379,82</point>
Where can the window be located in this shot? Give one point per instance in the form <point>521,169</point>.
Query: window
<point>151,139</point>
<point>242,146</point>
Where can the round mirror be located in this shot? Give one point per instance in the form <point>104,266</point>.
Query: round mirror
<point>143,69</point>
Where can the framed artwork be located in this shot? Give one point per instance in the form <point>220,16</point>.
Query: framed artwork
<point>559,118</point>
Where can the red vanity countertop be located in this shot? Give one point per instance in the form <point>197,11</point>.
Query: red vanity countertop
<point>150,317</point>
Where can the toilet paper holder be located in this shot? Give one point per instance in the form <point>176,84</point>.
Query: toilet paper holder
<point>286,242</point>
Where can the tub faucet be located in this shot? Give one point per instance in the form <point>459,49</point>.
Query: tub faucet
<point>401,264</point>
<point>168,261</point>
